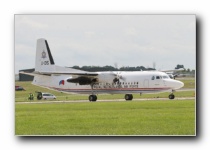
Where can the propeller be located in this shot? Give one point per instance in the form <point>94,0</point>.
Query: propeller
<point>118,77</point>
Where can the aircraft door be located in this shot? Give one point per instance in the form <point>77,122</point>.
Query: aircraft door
<point>158,81</point>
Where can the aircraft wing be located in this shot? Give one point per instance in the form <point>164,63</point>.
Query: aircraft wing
<point>60,73</point>
<point>174,70</point>
<point>83,78</point>
<point>173,73</point>
<point>70,73</point>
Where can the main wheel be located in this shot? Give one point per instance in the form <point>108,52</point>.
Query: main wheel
<point>92,98</point>
<point>171,96</point>
<point>131,96</point>
<point>128,97</point>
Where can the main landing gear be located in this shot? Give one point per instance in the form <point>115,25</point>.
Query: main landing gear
<point>128,97</point>
<point>92,98</point>
<point>171,96</point>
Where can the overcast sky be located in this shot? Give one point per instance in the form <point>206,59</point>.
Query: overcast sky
<point>99,40</point>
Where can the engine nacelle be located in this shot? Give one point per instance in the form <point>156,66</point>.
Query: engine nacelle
<point>81,80</point>
<point>106,77</point>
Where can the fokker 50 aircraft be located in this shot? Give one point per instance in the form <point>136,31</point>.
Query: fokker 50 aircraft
<point>48,75</point>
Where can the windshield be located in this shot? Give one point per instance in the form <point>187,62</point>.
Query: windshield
<point>165,77</point>
<point>160,77</point>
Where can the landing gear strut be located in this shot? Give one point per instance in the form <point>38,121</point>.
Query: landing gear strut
<point>93,97</point>
<point>128,97</point>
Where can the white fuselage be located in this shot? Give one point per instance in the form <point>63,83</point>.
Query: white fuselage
<point>129,82</point>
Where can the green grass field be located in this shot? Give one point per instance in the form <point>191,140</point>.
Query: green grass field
<point>153,117</point>
<point>107,118</point>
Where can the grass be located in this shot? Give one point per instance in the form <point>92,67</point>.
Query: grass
<point>188,82</point>
<point>162,117</point>
<point>107,118</point>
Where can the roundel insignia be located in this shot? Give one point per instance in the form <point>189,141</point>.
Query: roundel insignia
<point>61,82</point>
<point>43,54</point>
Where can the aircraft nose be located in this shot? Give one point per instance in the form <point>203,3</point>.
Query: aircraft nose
<point>178,84</point>
<point>175,84</point>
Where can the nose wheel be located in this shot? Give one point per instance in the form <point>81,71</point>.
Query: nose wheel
<point>171,96</point>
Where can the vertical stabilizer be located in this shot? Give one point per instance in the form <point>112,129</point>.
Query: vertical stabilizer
<point>44,59</point>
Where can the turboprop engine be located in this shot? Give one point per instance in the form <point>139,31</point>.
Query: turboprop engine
<point>106,77</point>
<point>80,80</point>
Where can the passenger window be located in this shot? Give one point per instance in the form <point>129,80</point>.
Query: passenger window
<point>157,77</point>
<point>153,77</point>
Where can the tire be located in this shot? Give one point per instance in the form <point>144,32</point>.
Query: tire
<point>171,96</point>
<point>128,97</point>
<point>131,97</point>
<point>92,98</point>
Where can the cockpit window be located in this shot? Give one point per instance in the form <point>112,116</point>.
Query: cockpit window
<point>157,77</point>
<point>165,77</point>
<point>153,77</point>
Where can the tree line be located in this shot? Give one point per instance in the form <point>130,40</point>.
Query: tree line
<point>111,68</point>
<point>127,68</point>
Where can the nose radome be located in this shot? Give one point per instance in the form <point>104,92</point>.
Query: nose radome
<point>179,84</point>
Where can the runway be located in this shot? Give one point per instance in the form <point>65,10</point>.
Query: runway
<point>115,100</point>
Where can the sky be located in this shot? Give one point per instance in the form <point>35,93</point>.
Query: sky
<point>115,40</point>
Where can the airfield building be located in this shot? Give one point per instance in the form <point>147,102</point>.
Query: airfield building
<point>24,77</point>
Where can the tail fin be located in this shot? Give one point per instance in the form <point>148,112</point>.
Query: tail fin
<point>44,59</point>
